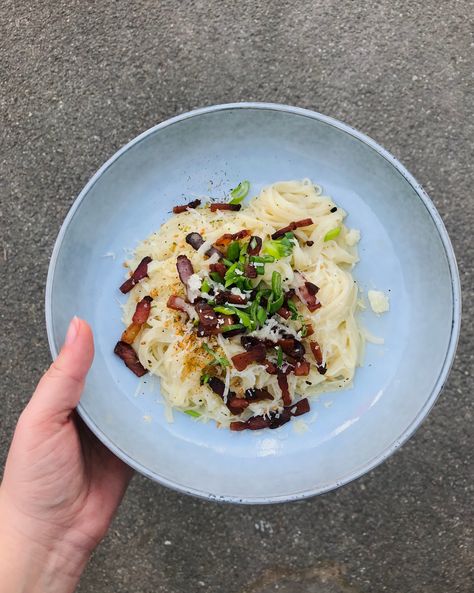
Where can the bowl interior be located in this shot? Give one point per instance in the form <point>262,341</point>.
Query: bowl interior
<point>401,252</point>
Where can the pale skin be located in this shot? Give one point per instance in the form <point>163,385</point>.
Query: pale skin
<point>61,486</point>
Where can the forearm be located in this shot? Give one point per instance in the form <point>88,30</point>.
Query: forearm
<point>33,562</point>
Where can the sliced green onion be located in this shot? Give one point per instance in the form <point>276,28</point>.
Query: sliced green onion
<point>304,331</point>
<point>269,302</point>
<point>276,284</point>
<point>205,378</point>
<point>208,349</point>
<point>227,262</point>
<point>244,318</point>
<point>233,251</point>
<point>192,413</point>
<point>265,259</point>
<point>216,277</point>
<point>224,310</point>
<point>229,328</point>
<point>261,315</point>
<point>205,286</point>
<point>195,322</point>
<point>293,309</point>
<point>278,248</point>
<point>332,234</point>
<point>239,192</point>
<point>260,270</point>
<point>221,360</point>
<point>277,304</point>
<point>279,356</point>
<point>231,270</point>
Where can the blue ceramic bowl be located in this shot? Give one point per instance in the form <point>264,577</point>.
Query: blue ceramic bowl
<point>404,250</point>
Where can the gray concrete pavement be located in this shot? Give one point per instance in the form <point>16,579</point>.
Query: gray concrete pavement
<point>80,78</point>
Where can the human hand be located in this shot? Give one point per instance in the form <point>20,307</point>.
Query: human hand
<point>61,486</point>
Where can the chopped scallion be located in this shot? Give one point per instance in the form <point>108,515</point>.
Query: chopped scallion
<point>229,328</point>
<point>216,277</point>
<point>233,251</point>
<point>279,356</point>
<point>192,413</point>
<point>332,234</point>
<point>239,192</point>
<point>205,286</point>
<point>224,310</point>
<point>261,315</point>
<point>276,284</point>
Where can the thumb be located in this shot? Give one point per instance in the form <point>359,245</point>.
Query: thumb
<point>60,388</point>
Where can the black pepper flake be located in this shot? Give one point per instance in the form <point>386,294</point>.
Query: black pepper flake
<point>308,382</point>
<point>333,209</point>
<point>309,243</point>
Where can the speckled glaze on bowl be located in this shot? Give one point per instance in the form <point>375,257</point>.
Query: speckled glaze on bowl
<point>404,249</point>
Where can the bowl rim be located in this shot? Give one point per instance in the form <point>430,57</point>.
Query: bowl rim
<point>455,286</point>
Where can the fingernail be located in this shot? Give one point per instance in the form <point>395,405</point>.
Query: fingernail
<point>72,331</point>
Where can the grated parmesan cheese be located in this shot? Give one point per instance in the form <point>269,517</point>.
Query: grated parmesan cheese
<point>352,237</point>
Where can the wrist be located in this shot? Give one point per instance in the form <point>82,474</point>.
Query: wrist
<point>37,558</point>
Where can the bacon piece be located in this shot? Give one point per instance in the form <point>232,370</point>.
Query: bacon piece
<point>258,422</point>
<point>142,310</point>
<point>217,206</point>
<point>271,367</point>
<point>184,207</point>
<point>250,271</point>
<point>203,331</point>
<point>217,386</point>
<point>238,426</point>
<point>177,303</point>
<point>309,330</point>
<point>131,333</point>
<point>254,246</point>
<point>302,368</point>
<point>256,354</point>
<point>207,316</point>
<point>130,358</point>
<point>284,312</point>
<point>285,391</point>
<point>185,268</point>
<point>318,357</point>
<point>235,404</point>
<point>195,240</point>
<point>292,226</point>
<point>229,237</point>
<point>219,268</point>
<point>301,407</point>
<point>283,417</point>
<point>141,271</point>
<point>256,395</point>
<point>249,342</point>
<point>292,347</point>
<point>229,297</point>
<point>306,292</point>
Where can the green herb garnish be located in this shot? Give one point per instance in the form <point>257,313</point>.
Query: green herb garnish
<point>332,234</point>
<point>229,328</point>
<point>216,277</point>
<point>261,315</point>
<point>205,286</point>
<point>293,309</point>
<point>233,251</point>
<point>218,360</point>
<point>192,413</point>
<point>239,192</point>
<point>279,356</point>
<point>279,248</point>
<point>205,378</point>
<point>276,285</point>
<point>224,310</point>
